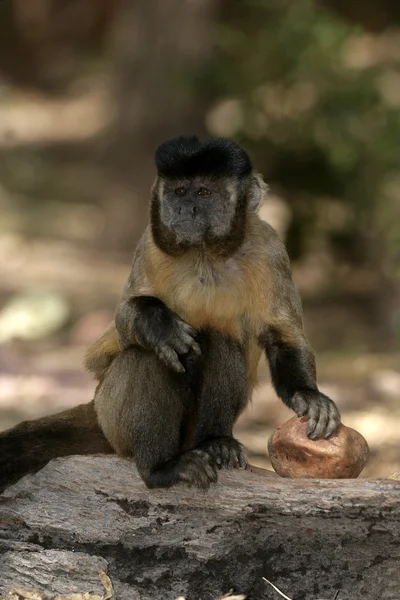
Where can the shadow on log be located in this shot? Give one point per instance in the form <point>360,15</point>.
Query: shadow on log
<point>311,538</point>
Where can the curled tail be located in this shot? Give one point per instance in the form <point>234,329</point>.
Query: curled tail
<point>29,446</point>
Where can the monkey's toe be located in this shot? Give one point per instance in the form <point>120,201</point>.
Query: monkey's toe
<point>196,469</point>
<point>225,452</point>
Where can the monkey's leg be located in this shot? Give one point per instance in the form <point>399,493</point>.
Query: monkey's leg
<point>293,375</point>
<point>143,409</point>
<point>222,395</point>
<point>29,446</point>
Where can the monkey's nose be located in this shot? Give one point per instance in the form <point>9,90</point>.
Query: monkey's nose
<point>188,210</point>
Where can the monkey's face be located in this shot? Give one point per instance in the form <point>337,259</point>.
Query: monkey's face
<point>201,195</point>
<point>198,211</point>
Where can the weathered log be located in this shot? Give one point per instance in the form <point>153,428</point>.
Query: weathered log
<point>311,538</point>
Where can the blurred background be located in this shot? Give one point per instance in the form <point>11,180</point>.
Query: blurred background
<point>89,88</point>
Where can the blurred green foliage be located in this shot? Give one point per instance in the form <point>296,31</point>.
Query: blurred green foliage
<point>313,97</point>
<point>317,101</point>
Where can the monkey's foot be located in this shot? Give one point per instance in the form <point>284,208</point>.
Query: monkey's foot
<point>196,468</point>
<point>225,452</point>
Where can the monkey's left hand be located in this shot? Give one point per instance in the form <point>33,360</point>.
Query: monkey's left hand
<point>324,417</point>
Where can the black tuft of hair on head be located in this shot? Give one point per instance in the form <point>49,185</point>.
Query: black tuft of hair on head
<point>186,156</point>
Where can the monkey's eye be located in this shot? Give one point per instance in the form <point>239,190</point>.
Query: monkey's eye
<point>180,191</point>
<point>203,192</point>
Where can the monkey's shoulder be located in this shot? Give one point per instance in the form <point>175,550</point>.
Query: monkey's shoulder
<point>267,243</point>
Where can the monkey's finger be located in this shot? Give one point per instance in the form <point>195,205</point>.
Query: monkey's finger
<point>203,454</point>
<point>242,460</point>
<point>196,477</point>
<point>211,473</point>
<point>313,418</point>
<point>179,345</point>
<point>323,419</point>
<point>184,346</point>
<point>188,329</point>
<point>196,469</point>
<point>214,454</point>
<point>195,347</point>
<point>206,471</point>
<point>217,456</point>
<point>228,456</point>
<point>170,358</point>
<point>191,344</point>
<point>334,421</point>
<point>239,457</point>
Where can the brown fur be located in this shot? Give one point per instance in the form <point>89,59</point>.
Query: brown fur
<point>101,354</point>
<point>30,445</point>
<point>236,291</point>
<point>238,296</point>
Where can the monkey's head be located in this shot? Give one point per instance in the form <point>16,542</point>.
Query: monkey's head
<point>202,195</point>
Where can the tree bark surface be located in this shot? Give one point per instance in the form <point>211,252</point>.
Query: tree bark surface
<point>311,538</point>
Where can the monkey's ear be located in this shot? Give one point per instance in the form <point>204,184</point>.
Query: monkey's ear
<point>258,189</point>
<point>158,187</point>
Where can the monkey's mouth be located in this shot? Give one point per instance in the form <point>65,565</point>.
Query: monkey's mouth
<point>189,237</point>
<point>189,226</point>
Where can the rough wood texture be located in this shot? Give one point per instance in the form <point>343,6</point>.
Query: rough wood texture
<point>80,515</point>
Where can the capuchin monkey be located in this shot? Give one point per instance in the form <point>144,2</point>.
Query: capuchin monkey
<point>210,290</point>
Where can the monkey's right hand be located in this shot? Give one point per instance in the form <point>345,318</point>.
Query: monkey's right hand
<point>169,337</point>
<point>323,415</point>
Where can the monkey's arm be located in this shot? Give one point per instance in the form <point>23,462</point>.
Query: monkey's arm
<point>290,357</point>
<point>146,321</point>
<point>142,319</point>
<point>292,368</point>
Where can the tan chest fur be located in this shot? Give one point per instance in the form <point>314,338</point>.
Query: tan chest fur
<point>204,294</point>
<point>209,293</point>
<point>228,295</point>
